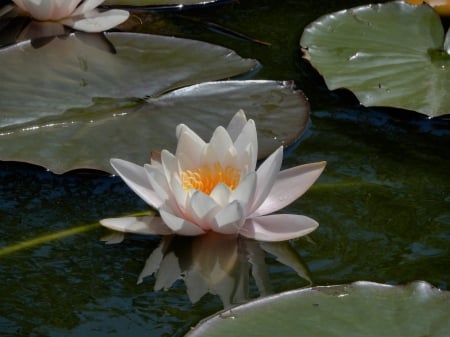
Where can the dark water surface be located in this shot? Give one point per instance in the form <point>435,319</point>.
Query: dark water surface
<point>383,202</point>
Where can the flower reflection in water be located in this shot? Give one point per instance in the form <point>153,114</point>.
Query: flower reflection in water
<point>218,264</point>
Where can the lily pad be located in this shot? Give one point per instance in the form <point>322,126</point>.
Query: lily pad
<point>76,105</point>
<point>392,54</point>
<point>359,309</point>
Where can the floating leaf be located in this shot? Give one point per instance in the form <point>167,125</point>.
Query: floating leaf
<point>75,105</point>
<point>390,54</point>
<point>358,309</point>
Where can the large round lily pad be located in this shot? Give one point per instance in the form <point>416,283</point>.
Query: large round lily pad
<point>71,104</point>
<point>359,309</point>
<point>392,54</point>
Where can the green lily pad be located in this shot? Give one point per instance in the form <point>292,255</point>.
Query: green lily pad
<point>359,309</point>
<point>70,104</point>
<point>392,54</point>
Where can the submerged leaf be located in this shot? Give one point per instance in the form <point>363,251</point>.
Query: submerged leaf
<point>390,54</point>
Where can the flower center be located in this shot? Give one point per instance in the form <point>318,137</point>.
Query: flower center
<point>206,177</point>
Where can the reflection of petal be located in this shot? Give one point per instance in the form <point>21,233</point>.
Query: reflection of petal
<point>217,264</point>
<point>113,237</point>
<point>6,9</point>
<point>38,30</point>
<point>260,270</point>
<point>153,262</point>
<point>169,271</point>
<point>218,267</point>
<point>287,255</point>
<point>278,227</point>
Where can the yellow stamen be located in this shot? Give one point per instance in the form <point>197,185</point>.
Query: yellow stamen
<point>206,177</point>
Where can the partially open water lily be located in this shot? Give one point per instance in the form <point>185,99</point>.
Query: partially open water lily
<point>216,187</point>
<point>78,14</point>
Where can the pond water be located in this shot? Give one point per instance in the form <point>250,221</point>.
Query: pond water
<point>383,201</point>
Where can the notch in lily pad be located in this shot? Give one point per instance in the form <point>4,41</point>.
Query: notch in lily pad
<point>392,54</point>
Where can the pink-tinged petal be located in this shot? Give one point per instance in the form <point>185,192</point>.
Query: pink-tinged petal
<point>203,208</point>
<point>245,191</point>
<point>94,22</point>
<point>236,124</point>
<point>221,194</point>
<point>278,227</point>
<point>266,176</point>
<point>136,178</point>
<point>229,219</point>
<point>289,186</point>
<point>248,137</point>
<point>139,225</point>
<point>178,225</point>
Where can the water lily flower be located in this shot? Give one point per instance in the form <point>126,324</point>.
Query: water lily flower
<point>216,187</point>
<point>78,14</point>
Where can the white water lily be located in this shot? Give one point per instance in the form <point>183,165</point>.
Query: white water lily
<point>216,187</point>
<point>78,14</point>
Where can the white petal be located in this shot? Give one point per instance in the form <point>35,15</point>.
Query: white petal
<point>236,124</point>
<point>87,6</point>
<point>248,138</point>
<point>245,192</point>
<point>220,141</point>
<point>181,196</point>
<point>221,194</point>
<point>158,182</point>
<point>189,148</point>
<point>266,176</point>
<point>48,10</point>
<point>136,178</point>
<point>138,225</point>
<point>169,164</point>
<point>278,227</point>
<point>203,209</point>
<point>93,22</point>
<point>178,225</point>
<point>289,186</point>
<point>229,219</point>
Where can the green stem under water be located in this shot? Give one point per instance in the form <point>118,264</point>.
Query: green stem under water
<point>45,238</point>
